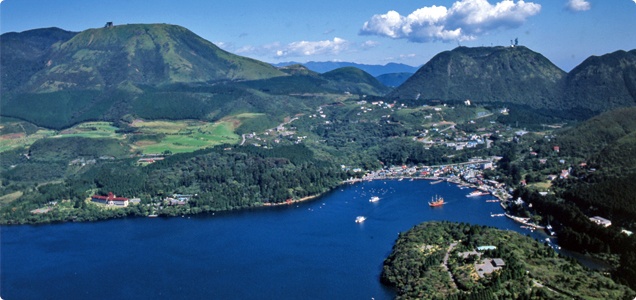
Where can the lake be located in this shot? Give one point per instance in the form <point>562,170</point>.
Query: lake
<point>311,250</point>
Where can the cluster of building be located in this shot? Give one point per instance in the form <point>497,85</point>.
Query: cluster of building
<point>111,199</point>
<point>484,266</point>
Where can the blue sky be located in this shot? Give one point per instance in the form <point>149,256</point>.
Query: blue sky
<point>370,31</point>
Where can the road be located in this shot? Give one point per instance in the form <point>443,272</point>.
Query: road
<point>445,264</point>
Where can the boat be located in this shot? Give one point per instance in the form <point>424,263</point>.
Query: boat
<point>374,199</point>
<point>477,193</point>
<point>360,219</point>
<point>438,201</point>
<point>436,182</point>
<point>550,230</point>
<point>152,216</point>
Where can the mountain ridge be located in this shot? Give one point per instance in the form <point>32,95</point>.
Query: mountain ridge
<point>142,54</point>
<point>374,70</point>
<point>518,76</point>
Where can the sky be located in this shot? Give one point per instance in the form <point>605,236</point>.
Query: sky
<point>369,32</point>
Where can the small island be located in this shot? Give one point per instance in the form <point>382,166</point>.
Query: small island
<point>443,260</point>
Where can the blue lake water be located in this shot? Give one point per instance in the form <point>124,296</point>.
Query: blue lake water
<point>311,250</point>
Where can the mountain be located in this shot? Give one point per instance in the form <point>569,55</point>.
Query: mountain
<point>603,82</point>
<point>486,74</point>
<point>614,136</point>
<point>519,77</point>
<point>148,54</point>
<point>393,79</point>
<point>55,78</point>
<point>306,82</point>
<point>374,70</point>
<point>607,142</point>
<point>24,54</point>
<point>355,81</point>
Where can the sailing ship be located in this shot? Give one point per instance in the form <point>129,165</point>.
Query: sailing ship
<point>437,201</point>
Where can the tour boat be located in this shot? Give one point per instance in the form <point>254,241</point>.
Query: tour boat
<point>374,199</point>
<point>438,201</point>
<point>360,219</point>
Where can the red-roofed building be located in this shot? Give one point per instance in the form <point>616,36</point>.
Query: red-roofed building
<point>111,199</point>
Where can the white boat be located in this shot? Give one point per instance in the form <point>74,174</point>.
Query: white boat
<point>550,230</point>
<point>374,199</point>
<point>360,219</point>
<point>477,193</point>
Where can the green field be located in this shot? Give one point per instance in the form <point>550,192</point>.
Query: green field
<point>185,136</point>
<point>151,137</point>
<point>91,130</point>
<point>12,141</point>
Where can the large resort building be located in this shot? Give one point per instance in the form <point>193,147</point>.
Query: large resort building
<point>111,199</point>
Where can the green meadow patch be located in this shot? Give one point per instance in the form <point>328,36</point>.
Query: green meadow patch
<point>91,130</point>
<point>184,136</point>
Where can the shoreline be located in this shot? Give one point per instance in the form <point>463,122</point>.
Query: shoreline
<point>292,201</point>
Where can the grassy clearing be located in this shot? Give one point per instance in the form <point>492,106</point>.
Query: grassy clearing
<point>186,136</point>
<point>91,130</point>
<point>13,141</point>
<point>8,198</point>
<point>176,136</point>
<point>541,186</point>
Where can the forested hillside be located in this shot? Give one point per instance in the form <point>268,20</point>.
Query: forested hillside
<point>418,269</point>
<point>220,178</point>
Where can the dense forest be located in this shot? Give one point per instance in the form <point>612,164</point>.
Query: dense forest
<point>417,267</point>
<point>221,178</point>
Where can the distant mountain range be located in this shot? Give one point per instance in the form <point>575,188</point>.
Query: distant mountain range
<point>519,76</point>
<point>374,70</point>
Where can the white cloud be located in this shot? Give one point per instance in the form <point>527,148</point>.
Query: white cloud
<point>295,49</point>
<point>371,44</point>
<point>307,48</point>
<point>464,20</point>
<point>579,5</point>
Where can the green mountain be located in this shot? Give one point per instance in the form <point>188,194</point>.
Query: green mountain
<point>150,54</point>
<point>356,81</point>
<point>153,71</point>
<point>24,54</point>
<point>603,82</point>
<point>591,137</point>
<point>514,75</point>
<point>608,144</point>
<point>520,78</point>
<point>394,79</point>
<point>305,82</point>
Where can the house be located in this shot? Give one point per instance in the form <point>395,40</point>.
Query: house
<point>498,262</point>
<point>111,199</point>
<point>601,221</point>
<point>484,248</point>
